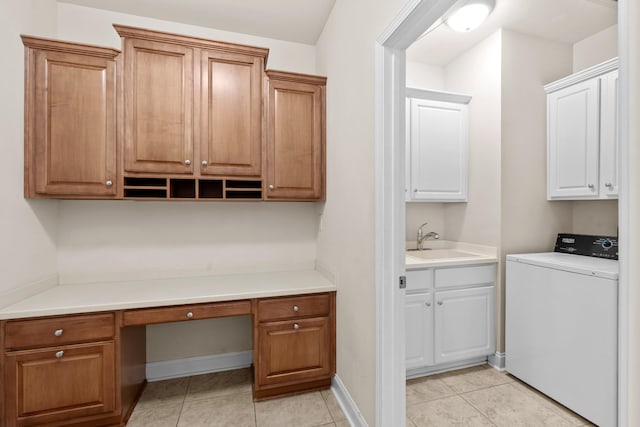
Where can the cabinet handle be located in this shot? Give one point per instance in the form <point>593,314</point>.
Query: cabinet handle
<point>591,186</point>
<point>187,162</point>
<point>415,190</point>
<point>109,183</point>
<point>296,326</point>
<point>58,332</point>
<point>428,304</point>
<point>439,302</point>
<point>271,187</point>
<point>204,163</point>
<point>608,185</point>
<point>189,315</point>
<point>296,308</point>
<point>59,354</point>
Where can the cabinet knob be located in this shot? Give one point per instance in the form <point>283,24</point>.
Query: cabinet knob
<point>187,162</point>
<point>296,326</point>
<point>439,302</point>
<point>296,308</point>
<point>271,187</point>
<point>189,315</point>
<point>204,163</point>
<point>109,183</point>
<point>415,190</point>
<point>58,332</point>
<point>59,354</point>
<point>591,186</point>
<point>428,304</point>
<point>608,185</point>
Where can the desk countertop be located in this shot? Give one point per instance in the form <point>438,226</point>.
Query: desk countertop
<point>86,298</point>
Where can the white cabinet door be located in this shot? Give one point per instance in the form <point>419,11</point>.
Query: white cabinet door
<point>609,151</point>
<point>464,326</point>
<point>438,135</point>
<point>573,135</point>
<point>419,326</point>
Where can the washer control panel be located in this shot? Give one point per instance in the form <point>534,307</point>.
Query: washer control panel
<point>587,245</point>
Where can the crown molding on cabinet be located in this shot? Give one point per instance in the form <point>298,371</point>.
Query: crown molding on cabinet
<point>69,47</point>
<point>586,74</point>
<point>436,95</point>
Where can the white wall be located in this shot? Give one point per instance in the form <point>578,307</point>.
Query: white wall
<point>595,49</point>
<point>114,239</point>
<point>424,76</point>
<point>27,227</point>
<point>345,53</point>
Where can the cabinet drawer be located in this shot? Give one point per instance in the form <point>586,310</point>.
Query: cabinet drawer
<point>58,330</point>
<point>465,276</point>
<point>418,280</point>
<point>289,308</point>
<point>148,316</point>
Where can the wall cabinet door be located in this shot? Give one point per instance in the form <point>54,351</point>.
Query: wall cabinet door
<point>158,102</point>
<point>295,137</point>
<point>70,120</point>
<point>231,126</point>
<point>464,326</point>
<point>609,145</point>
<point>419,326</point>
<point>573,115</point>
<point>48,385</point>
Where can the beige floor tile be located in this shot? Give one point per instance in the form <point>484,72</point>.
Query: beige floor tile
<point>566,413</point>
<point>508,406</point>
<point>446,412</point>
<point>475,378</point>
<point>219,384</point>
<point>163,392</point>
<point>332,404</point>
<point>226,411</point>
<point>410,423</point>
<point>343,423</point>
<point>156,416</point>
<point>303,410</point>
<point>427,388</point>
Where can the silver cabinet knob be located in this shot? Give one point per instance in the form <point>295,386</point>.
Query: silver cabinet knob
<point>187,162</point>
<point>296,326</point>
<point>428,304</point>
<point>608,185</point>
<point>415,190</point>
<point>271,187</point>
<point>296,308</point>
<point>58,332</point>
<point>109,183</point>
<point>189,315</point>
<point>204,163</point>
<point>439,302</point>
<point>591,186</point>
<point>59,354</point>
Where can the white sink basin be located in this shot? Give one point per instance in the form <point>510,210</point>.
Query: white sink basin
<point>440,254</point>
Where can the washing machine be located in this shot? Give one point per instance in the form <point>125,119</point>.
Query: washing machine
<point>561,324</point>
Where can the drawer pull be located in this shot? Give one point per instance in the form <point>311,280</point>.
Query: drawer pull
<point>58,332</point>
<point>439,302</point>
<point>296,308</point>
<point>296,326</point>
<point>59,354</point>
<point>189,315</point>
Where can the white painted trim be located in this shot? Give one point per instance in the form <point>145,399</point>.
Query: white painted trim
<point>348,406</point>
<point>437,95</point>
<point>177,368</point>
<point>19,293</point>
<point>589,73</point>
<point>497,360</point>
<point>445,367</point>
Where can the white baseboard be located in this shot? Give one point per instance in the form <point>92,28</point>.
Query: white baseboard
<point>167,369</point>
<point>14,295</point>
<point>497,360</point>
<point>445,367</point>
<point>347,404</point>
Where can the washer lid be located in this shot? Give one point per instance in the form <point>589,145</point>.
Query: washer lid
<point>590,266</point>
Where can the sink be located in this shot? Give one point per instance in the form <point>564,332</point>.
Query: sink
<point>440,254</point>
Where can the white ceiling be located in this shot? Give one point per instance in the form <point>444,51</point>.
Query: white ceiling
<point>565,21</point>
<point>299,21</point>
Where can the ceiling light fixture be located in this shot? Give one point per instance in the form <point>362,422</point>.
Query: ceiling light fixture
<point>469,14</point>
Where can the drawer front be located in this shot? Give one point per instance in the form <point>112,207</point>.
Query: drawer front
<point>293,307</point>
<point>149,316</point>
<point>58,330</point>
<point>419,280</point>
<point>465,276</point>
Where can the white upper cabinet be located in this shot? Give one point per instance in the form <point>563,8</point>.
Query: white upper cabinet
<point>582,140</point>
<point>438,146</point>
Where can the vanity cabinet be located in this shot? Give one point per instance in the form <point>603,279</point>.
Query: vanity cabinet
<point>69,83</point>
<point>582,135</point>
<point>295,141</point>
<point>449,315</point>
<point>437,135</point>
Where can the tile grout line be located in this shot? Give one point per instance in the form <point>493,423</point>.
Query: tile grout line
<point>482,414</point>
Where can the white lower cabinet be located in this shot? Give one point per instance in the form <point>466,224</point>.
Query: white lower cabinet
<point>449,320</point>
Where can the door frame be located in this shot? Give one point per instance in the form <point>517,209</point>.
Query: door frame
<point>403,30</point>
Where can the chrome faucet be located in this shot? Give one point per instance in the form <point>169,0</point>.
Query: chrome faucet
<point>420,238</point>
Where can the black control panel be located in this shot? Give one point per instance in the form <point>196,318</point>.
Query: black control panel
<point>582,244</point>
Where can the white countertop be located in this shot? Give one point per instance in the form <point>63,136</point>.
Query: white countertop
<point>85,298</point>
<point>449,254</point>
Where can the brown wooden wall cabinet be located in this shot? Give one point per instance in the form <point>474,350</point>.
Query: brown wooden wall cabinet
<point>89,369</point>
<point>171,118</point>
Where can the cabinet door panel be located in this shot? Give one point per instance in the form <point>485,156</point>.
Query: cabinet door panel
<point>573,126</point>
<point>75,159</point>
<point>84,379</point>
<point>609,143</point>
<point>231,114</point>
<point>158,82</point>
<point>419,327</point>
<point>464,324</point>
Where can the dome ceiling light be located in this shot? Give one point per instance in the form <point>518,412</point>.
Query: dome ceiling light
<point>469,15</point>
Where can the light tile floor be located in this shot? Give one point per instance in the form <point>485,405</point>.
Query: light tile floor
<point>224,399</point>
<point>478,396</point>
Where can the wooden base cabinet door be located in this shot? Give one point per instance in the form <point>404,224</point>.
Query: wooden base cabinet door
<point>57,385</point>
<point>294,351</point>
